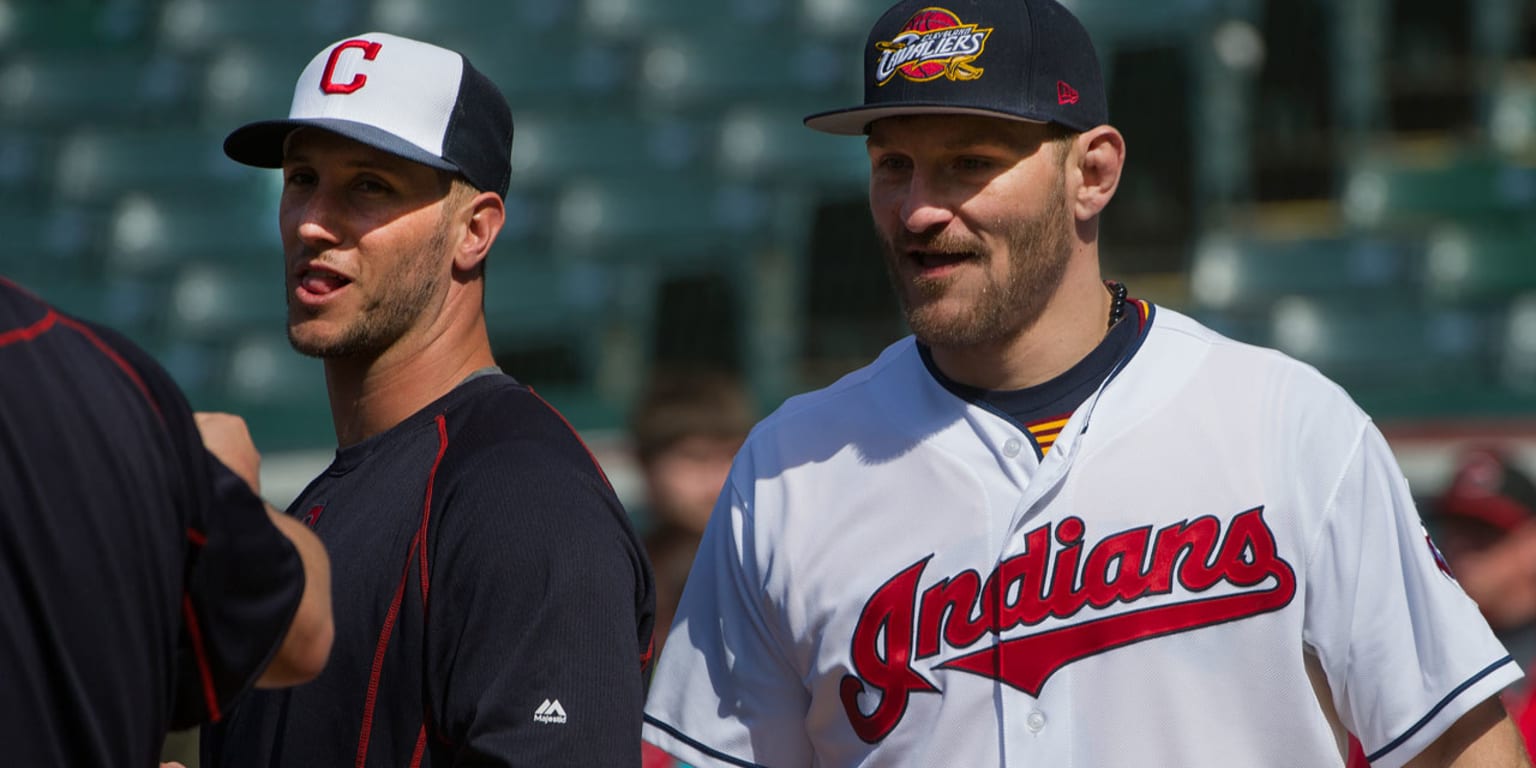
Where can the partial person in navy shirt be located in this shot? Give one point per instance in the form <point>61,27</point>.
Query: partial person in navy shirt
<point>143,584</point>
<point>493,605</point>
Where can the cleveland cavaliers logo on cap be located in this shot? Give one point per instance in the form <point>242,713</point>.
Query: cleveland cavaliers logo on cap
<point>933,43</point>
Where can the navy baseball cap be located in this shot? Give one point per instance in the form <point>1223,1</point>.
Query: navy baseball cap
<point>406,97</point>
<point>1028,60</point>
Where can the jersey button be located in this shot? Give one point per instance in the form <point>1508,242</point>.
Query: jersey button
<point>1035,721</point>
<point>1012,447</point>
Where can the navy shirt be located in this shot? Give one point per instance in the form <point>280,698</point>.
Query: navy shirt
<point>493,606</point>
<point>141,583</point>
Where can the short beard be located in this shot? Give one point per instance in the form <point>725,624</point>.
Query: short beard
<point>388,316</point>
<point>1039,249</point>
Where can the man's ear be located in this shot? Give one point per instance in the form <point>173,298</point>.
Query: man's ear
<point>1095,160</point>
<point>481,218</point>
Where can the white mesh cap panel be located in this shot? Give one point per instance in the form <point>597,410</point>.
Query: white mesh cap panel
<point>407,88</point>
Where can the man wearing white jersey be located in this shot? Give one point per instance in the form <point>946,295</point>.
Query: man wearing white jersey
<point>1058,527</point>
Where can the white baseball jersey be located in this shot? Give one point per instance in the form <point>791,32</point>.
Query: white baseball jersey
<point>1218,563</point>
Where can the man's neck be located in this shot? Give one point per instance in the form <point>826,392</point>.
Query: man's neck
<point>370,396</point>
<point>1071,326</point>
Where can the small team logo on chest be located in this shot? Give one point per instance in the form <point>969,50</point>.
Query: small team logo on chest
<point>1059,575</point>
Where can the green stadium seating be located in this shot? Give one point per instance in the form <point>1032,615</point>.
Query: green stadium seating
<point>83,26</point>
<point>559,144</point>
<point>1383,340</point>
<point>293,25</point>
<point>1484,264</point>
<point>42,89</point>
<point>658,219</point>
<point>1230,271</point>
<point>775,145</point>
<point>703,70</point>
<point>222,301</point>
<point>102,165</point>
<point>162,230</point>
<point>1465,187</point>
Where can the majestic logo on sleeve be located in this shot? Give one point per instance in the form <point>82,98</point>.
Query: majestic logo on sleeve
<point>899,626</point>
<point>932,44</point>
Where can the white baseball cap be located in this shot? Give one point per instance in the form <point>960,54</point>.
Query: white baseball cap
<point>406,97</point>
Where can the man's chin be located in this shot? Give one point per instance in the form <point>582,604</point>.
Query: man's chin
<point>310,344</point>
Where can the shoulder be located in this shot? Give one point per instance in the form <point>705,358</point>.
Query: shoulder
<point>509,455</point>
<point>855,404</point>
<point>1177,341</point>
<point>498,417</point>
<point>1194,375</point>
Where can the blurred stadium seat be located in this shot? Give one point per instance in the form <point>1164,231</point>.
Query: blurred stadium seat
<point>99,165</point>
<point>225,301</point>
<point>775,145</point>
<point>84,27</point>
<point>699,70</point>
<point>294,25</point>
<point>555,145</point>
<point>153,231</point>
<point>45,87</point>
<point>659,218</point>
<point>1386,191</point>
<point>1230,271</point>
<point>1375,342</point>
<point>1483,264</point>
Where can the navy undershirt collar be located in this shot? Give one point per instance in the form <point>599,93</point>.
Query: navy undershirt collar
<point>1057,397</point>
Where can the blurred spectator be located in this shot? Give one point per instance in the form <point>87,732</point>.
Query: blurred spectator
<point>686,430</point>
<point>1485,524</point>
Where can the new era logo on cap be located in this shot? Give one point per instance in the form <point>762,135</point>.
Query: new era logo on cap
<point>406,97</point>
<point>1027,60</point>
<point>1065,94</point>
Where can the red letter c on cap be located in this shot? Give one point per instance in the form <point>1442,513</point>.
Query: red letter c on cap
<point>370,51</point>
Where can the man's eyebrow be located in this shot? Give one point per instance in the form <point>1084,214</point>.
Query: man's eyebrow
<point>301,157</point>
<point>970,139</point>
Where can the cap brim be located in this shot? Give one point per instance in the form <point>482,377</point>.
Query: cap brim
<point>261,143</point>
<point>855,121</point>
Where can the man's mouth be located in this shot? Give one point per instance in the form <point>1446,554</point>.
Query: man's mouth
<point>930,260</point>
<point>320,282</point>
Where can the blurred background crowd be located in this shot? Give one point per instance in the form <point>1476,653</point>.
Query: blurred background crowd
<point>1352,181</point>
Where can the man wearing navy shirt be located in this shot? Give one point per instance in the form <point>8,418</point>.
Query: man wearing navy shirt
<point>143,585</point>
<point>493,605</point>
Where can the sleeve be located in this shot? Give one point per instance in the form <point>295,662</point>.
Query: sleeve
<point>539,599</point>
<point>725,692</point>
<point>1406,652</point>
<point>242,578</point>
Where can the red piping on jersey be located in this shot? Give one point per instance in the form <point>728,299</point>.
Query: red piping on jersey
<point>417,541</point>
<point>575,434</point>
<point>112,355</point>
<point>426,507</point>
<point>51,318</point>
<point>30,332</point>
<point>378,657</point>
<point>189,615</point>
<point>197,537</point>
<point>421,747</point>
